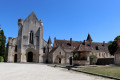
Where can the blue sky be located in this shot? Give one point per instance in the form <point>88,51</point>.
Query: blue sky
<point>64,19</point>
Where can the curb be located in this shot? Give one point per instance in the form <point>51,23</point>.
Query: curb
<point>91,73</point>
<point>96,74</point>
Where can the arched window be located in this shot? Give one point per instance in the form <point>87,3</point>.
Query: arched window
<point>44,50</point>
<point>59,53</point>
<point>31,37</point>
<point>16,48</point>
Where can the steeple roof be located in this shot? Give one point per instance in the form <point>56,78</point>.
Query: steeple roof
<point>49,40</point>
<point>89,38</point>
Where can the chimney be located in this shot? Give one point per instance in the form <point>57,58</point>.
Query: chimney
<point>62,45</point>
<point>118,42</point>
<point>71,41</point>
<point>84,42</point>
<point>103,43</point>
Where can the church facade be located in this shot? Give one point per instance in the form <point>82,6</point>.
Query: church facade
<point>29,46</point>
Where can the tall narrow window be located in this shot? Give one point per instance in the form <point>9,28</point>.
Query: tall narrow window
<point>97,48</point>
<point>44,50</point>
<point>31,37</point>
<point>16,48</point>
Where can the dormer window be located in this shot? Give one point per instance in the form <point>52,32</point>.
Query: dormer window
<point>97,48</point>
<point>31,37</point>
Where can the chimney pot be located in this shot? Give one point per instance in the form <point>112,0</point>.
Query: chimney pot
<point>71,41</point>
<point>84,42</point>
<point>103,43</point>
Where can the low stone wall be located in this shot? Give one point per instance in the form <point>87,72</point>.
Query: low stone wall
<point>117,59</point>
<point>81,62</point>
<point>105,61</point>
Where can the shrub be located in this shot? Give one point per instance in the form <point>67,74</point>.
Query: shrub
<point>76,56</point>
<point>93,59</point>
<point>1,59</point>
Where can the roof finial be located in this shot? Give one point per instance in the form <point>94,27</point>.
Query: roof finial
<point>41,23</point>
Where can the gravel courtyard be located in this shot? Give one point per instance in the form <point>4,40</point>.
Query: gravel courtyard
<point>17,71</point>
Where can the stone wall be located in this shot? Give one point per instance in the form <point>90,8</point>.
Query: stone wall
<point>117,58</point>
<point>11,49</point>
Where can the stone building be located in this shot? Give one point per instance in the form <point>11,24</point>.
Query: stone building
<point>29,46</point>
<point>117,54</point>
<point>64,50</point>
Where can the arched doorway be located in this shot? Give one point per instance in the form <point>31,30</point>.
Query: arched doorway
<point>15,58</point>
<point>30,57</point>
<point>70,60</point>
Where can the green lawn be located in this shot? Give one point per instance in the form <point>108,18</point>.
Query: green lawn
<point>108,71</point>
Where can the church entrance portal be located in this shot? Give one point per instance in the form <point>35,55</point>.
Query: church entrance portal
<point>30,57</point>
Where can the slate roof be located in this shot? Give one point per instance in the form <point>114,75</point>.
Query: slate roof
<point>68,48</point>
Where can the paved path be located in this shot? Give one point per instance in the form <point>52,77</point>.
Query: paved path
<point>12,71</point>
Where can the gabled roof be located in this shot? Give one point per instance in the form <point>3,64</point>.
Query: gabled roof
<point>32,16</point>
<point>54,49</point>
<point>89,38</point>
<point>82,48</point>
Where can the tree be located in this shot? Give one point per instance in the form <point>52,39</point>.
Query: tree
<point>2,44</point>
<point>113,45</point>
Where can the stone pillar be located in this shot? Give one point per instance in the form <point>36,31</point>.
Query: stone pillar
<point>24,58</point>
<point>41,55</point>
<point>88,57</point>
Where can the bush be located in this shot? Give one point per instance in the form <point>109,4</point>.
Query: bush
<point>1,59</point>
<point>76,56</point>
<point>93,59</point>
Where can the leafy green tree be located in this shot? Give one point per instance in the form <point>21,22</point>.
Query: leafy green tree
<point>113,45</point>
<point>2,44</point>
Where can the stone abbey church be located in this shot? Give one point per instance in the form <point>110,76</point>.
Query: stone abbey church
<point>30,46</point>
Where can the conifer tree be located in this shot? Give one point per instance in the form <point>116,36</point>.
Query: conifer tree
<point>2,43</point>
